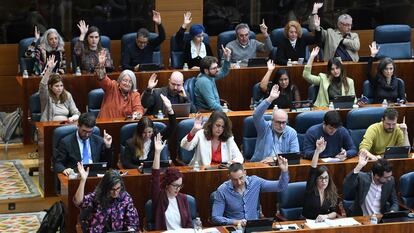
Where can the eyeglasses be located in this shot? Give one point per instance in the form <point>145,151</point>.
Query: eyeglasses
<point>116,189</point>
<point>177,186</point>
<point>126,81</point>
<point>213,68</point>
<point>280,122</point>
<point>322,178</point>
<point>347,24</point>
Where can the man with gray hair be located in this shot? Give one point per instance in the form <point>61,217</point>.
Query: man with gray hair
<point>273,137</point>
<point>340,42</point>
<point>243,48</point>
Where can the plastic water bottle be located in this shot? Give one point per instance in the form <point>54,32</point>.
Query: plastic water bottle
<point>196,166</point>
<point>238,64</point>
<point>25,74</point>
<point>331,106</point>
<point>384,103</point>
<point>198,225</point>
<point>78,71</point>
<point>289,62</point>
<point>185,66</point>
<point>160,115</point>
<point>239,228</point>
<point>373,219</point>
<point>355,106</point>
<point>225,108</point>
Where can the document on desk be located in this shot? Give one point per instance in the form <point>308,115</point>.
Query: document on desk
<point>331,160</point>
<point>190,230</point>
<point>339,222</point>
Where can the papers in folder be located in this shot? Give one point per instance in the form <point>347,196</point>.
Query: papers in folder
<point>339,222</point>
<point>190,230</point>
<point>331,160</point>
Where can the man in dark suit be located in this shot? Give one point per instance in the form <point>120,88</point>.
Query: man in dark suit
<point>374,191</point>
<point>83,146</point>
<point>151,98</point>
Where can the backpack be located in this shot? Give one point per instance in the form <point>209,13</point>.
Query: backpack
<point>9,124</point>
<point>54,219</point>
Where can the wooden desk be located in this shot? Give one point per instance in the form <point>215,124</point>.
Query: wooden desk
<point>202,183</point>
<point>236,88</point>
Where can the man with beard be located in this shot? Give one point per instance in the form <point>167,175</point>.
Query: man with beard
<point>374,191</point>
<point>151,98</point>
<point>383,134</point>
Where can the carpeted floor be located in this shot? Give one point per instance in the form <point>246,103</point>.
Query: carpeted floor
<point>23,222</point>
<point>15,182</point>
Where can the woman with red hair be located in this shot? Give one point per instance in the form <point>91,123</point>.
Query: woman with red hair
<point>171,209</point>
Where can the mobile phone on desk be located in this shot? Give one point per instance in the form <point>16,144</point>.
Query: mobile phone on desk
<point>230,229</point>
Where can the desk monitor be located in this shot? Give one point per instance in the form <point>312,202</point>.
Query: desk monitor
<point>149,67</point>
<point>147,166</point>
<point>396,152</point>
<point>96,168</point>
<point>292,158</point>
<point>182,110</point>
<point>263,224</point>
<point>257,62</point>
<point>343,101</point>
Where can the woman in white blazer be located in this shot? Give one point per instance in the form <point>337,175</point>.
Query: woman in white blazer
<point>214,142</point>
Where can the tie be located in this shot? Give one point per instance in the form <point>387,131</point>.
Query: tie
<point>85,153</point>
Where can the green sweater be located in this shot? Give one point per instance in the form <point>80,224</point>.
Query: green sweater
<point>376,139</point>
<point>322,80</point>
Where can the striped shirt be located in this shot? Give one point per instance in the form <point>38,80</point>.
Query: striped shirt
<point>372,203</point>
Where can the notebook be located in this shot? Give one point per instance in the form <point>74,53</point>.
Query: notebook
<point>149,67</point>
<point>395,152</point>
<point>292,158</point>
<point>182,110</point>
<point>257,62</point>
<point>264,224</point>
<point>96,168</point>
<point>344,101</point>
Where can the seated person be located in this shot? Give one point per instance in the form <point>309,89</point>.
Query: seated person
<point>338,139</point>
<point>237,199</point>
<point>195,49</point>
<point>214,141</point>
<point>374,191</point>
<point>141,52</point>
<point>56,103</point>
<point>88,50</point>
<point>243,48</point>
<point>83,146</point>
<point>175,92</point>
<point>111,208</point>
<point>321,196</point>
<point>385,83</point>
<point>333,84</point>
<point>205,89</point>
<point>273,137</point>
<point>383,134</point>
<point>339,42</point>
<point>171,209</point>
<point>289,92</point>
<point>51,43</point>
<point>121,98</point>
<point>293,45</point>
<point>140,147</point>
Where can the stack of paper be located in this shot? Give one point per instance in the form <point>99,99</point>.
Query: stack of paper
<point>190,230</point>
<point>339,222</point>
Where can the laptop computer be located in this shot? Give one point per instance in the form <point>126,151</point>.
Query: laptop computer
<point>396,216</point>
<point>96,168</point>
<point>147,166</point>
<point>343,101</point>
<point>149,67</point>
<point>264,224</point>
<point>182,110</point>
<point>395,152</point>
<point>301,106</point>
<point>292,158</point>
<point>257,62</point>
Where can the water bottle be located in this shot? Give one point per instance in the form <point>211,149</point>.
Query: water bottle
<point>331,106</point>
<point>196,166</point>
<point>185,66</point>
<point>198,226</point>
<point>25,74</point>
<point>384,103</point>
<point>289,62</point>
<point>239,228</point>
<point>238,64</point>
<point>373,219</point>
<point>160,115</point>
<point>355,106</point>
<point>78,71</point>
<point>225,108</point>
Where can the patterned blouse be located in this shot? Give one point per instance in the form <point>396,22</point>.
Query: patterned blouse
<point>121,215</point>
<point>89,58</point>
<point>41,55</point>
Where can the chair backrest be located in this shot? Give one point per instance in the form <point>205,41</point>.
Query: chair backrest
<point>149,215</point>
<point>227,36</point>
<point>105,41</point>
<point>358,120</point>
<point>368,91</point>
<point>25,63</point>
<point>291,200</point>
<point>129,38</point>
<point>313,91</point>
<point>394,40</point>
<point>95,98</point>
<point>183,128</point>
<point>277,35</point>
<point>406,189</point>
<point>307,119</point>
<point>348,200</point>
<point>189,86</point>
<point>35,108</point>
<point>257,94</point>
<point>177,47</point>
<point>250,135</point>
<point>127,132</point>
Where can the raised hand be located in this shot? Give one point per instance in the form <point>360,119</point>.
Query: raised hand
<point>263,28</point>
<point>317,21</point>
<point>102,58</point>
<point>198,124</point>
<point>403,126</point>
<point>316,7</point>
<point>156,17</point>
<point>167,104</point>
<point>68,171</point>
<point>274,93</point>
<point>226,52</point>
<point>107,139</point>
<point>158,143</point>
<point>82,173</point>
<point>51,62</point>
<point>270,65</point>
<point>315,52</point>
<point>374,48</point>
<point>83,28</point>
<point>187,19</point>
<point>283,163</point>
<point>152,82</point>
<point>362,160</point>
<point>320,144</point>
<point>36,33</point>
